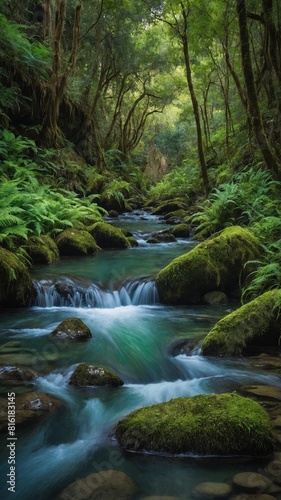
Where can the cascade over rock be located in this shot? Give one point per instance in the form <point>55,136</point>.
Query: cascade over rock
<point>215,264</point>
<point>70,293</point>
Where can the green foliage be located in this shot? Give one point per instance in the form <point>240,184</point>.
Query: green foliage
<point>181,182</point>
<point>28,57</point>
<point>29,207</point>
<point>267,273</point>
<point>248,198</point>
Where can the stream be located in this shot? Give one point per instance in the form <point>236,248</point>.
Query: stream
<point>115,296</point>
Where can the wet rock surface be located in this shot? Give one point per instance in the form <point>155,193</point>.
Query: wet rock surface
<point>71,329</point>
<point>29,408</point>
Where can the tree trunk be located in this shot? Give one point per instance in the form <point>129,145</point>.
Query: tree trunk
<point>200,147</point>
<point>252,99</point>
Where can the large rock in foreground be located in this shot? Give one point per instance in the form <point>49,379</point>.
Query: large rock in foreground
<point>71,329</point>
<point>215,264</point>
<point>256,324</point>
<point>220,425</point>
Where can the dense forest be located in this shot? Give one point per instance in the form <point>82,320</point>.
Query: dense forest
<point>107,106</point>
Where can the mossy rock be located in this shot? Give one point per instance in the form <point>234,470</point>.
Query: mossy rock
<point>29,408</point>
<point>181,231</point>
<point>76,242</point>
<point>215,264</point>
<point>170,206</point>
<point>71,329</point>
<point>219,425</point>
<point>256,323</point>
<point>86,374</point>
<point>16,287</point>
<point>215,298</point>
<point>133,242</point>
<point>18,375</point>
<point>162,237</point>
<point>108,236</point>
<point>176,214</point>
<point>43,250</point>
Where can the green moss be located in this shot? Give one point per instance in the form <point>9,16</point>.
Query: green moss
<point>71,329</point>
<point>170,206</point>
<point>108,236</point>
<point>86,374</point>
<point>225,424</point>
<point>181,231</point>
<point>43,250</point>
<point>16,287</point>
<point>76,242</point>
<point>215,264</point>
<point>256,323</point>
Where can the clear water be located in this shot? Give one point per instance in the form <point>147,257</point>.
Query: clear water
<point>132,340</point>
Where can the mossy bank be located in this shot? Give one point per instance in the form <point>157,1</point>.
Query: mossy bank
<point>215,264</point>
<point>220,425</point>
<point>256,324</point>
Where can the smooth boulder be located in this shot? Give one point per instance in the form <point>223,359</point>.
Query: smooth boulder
<point>104,485</point>
<point>219,425</point>
<point>215,264</point>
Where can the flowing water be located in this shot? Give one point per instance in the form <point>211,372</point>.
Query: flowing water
<point>114,293</point>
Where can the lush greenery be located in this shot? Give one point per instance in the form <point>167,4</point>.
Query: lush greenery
<point>89,89</point>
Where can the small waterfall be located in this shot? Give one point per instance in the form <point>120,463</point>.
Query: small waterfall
<point>68,293</point>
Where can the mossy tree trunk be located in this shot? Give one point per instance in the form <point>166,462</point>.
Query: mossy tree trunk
<point>253,109</point>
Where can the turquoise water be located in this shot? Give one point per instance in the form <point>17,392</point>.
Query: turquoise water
<point>135,342</point>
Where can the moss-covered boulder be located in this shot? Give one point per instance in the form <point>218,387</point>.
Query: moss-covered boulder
<point>215,264</point>
<point>220,425</point>
<point>16,287</point>
<point>170,206</point>
<point>86,374</point>
<point>71,329</point>
<point>108,236</point>
<point>43,250</point>
<point>162,237</point>
<point>29,408</point>
<point>181,231</point>
<point>76,242</point>
<point>256,324</point>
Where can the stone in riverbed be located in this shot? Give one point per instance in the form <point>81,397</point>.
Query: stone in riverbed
<point>218,425</point>
<point>214,298</point>
<point>86,374</point>
<point>251,482</point>
<point>29,407</point>
<point>105,485</point>
<point>71,329</point>
<point>211,490</point>
<point>12,374</point>
<point>264,391</point>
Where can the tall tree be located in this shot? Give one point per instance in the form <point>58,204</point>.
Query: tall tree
<point>252,98</point>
